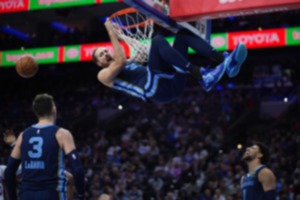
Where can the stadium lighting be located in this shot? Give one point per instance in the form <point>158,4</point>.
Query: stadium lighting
<point>14,32</point>
<point>61,27</point>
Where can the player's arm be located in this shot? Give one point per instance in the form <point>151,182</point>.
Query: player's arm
<point>107,75</point>
<point>70,185</point>
<point>11,169</point>
<point>268,181</point>
<point>66,141</point>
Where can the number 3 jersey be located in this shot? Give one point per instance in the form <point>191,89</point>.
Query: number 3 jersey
<point>42,160</point>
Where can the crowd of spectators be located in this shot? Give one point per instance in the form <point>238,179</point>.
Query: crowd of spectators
<point>177,152</point>
<point>172,151</point>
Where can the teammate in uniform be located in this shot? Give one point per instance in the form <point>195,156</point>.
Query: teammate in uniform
<point>10,139</point>
<point>41,149</point>
<point>2,188</point>
<point>165,77</point>
<point>260,182</point>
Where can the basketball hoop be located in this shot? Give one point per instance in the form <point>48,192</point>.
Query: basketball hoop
<point>136,30</point>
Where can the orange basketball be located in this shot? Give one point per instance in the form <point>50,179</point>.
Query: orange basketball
<point>27,66</point>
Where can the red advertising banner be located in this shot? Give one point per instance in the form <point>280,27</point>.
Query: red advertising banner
<point>188,10</point>
<point>257,39</point>
<point>221,41</point>
<point>28,5</point>
<point>13,5</point>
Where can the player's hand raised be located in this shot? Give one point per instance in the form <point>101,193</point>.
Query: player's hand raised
<point>108,25</point>
<point>9,136</point>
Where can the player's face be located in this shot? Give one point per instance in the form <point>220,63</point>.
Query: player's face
<point>104,57</point>
<point>251,153</point>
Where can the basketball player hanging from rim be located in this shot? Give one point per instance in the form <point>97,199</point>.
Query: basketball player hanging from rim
<point>163,80</point>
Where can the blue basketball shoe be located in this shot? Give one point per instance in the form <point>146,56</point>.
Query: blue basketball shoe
<point>211,76</point>
<point>235,59</point>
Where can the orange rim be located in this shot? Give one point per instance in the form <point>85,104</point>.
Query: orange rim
<point>128,11</point>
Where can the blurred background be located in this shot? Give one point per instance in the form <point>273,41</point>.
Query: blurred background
<point>187,149</point>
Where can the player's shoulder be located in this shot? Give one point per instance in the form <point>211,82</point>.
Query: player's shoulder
<point>63,135</point>
<point>20,137</point>
<point>266,173</point>
<point>63,132</point>
<point>105,76</point>
<point>265,170</point>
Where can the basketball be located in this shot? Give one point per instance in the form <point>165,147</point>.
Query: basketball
<point>27,66</point>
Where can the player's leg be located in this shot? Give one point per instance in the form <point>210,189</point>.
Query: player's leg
<point>160,87</point>
<point>184,39</point>
<point>163,55</point>
<point>164,58</point>
<point>235,59</point>
<point>232,63</point>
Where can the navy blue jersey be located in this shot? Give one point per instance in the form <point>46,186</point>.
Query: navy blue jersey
<point>155,86</point>
<point>251,187</point>
<point>42,160</point>
<point>132,79</point>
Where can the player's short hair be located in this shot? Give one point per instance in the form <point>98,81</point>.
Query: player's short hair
<point>264,151</point>
<point>42,105</point>
<point>94,58</point>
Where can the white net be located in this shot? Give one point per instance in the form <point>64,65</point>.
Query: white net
<point>136,30</point>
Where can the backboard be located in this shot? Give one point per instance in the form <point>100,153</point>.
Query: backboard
<point>189,10</point>
<point>177,13</point>
<point>160,13</point>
